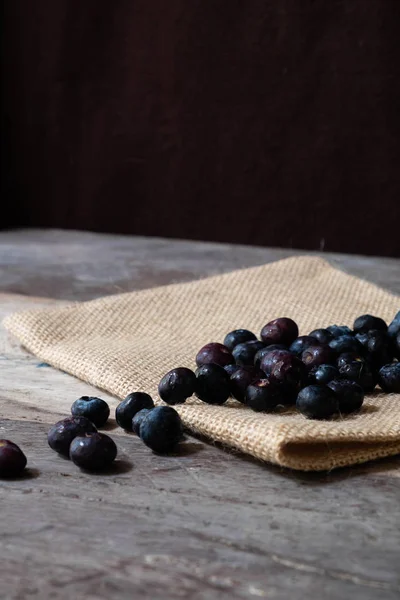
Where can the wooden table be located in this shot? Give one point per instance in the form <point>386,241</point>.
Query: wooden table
<point>209,524</point>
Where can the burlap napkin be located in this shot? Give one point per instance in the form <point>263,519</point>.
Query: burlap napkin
<point>127,342</point>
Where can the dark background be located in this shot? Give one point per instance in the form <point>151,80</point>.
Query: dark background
<point>271,122</point>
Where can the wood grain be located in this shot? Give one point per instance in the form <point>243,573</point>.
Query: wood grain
<point>204,523</point>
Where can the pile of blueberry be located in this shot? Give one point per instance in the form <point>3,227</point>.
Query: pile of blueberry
<point>324,373</point>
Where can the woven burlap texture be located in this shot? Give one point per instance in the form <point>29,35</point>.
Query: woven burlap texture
<point>127,342</point>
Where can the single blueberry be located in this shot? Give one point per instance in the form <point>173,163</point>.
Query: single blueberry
<point>302,343</point>
<point>322,335</point>
<point>262,395</point>
<point>12,459</point>
<point>238,336</point>
<point>264,351</point>
<point>128,408</point>
<point>94,409</point>
<point>289,376</point>
<point>323,374</point>
<point>378,347</point>
<point>279,331</point>
<point>93,451</point>
<point>367,322</point>
<point>215,353</point>
<point>271,358</point>
<point>345,343</point>
<point>317,402</point>
<point>63,432</point>
<point>161,429</point>
<point>177,385</point>
<point>138,418</point>
<point>242,379</point>
<point>339,330</point>
<point>244,353</point>
<point>394,327</point>
<point>213,384</point>
<point>361,373</point>
<point>314,356</point>
<point>389,378</point>
<point>350,394</point>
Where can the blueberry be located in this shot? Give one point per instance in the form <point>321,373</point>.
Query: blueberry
<point>317,402</point>
<point>302,343</point>
<point>231,369</point>
<point>339,330</point>
<point>323,374</point>
<point>389,378</point>
<point>314,356</point>
<point>345,343</point>
<point>271,358</point>
<point>177,385</point>
<point>394,327</point>
<point>359,372</point>
<point>348,357</point>
<point>378,346</point>
<point>397,346</point>
<point>161,429</point>
<point>322,335</point>
<point>244,353</point>
<point>242,379</point>
<point>12,459</point>
<point>238,336</point>
<point>264,351</point>
<point>262,395</point>
<point>94,409</point>
<point>279,331</point>
<point>128,408</point>
<point>138,418</point>
<point>289,376</point>
<point>215,353</point>
<point>93,451</point>
<point>213,384</point>
<point>367,322</point>
<point>62,433</point>
<point>349,394</point>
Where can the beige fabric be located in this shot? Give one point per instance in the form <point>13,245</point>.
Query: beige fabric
<point>127,342</point>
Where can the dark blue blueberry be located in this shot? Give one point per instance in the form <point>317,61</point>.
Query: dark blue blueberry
<point>213,384</point>
<point>138,418</point>
<point>94,409</point>
<point>378,347</point>
<point>214,353</point>
<point>361,373</point>
<point>339,330</point>
<point>389,378</point>
<point>62,433</point>
<point>279,331</point>
<point>161,429</point>
<point>350,395</point>
<point>314,356</point>
<point>394,327</point>
<point>262,396</point>
<point>317,402</point>
<point>367,322</point>
<point>128,408</point>
<point>242,379</point>
<point>323,374</point>
<point>289,376</point>
<point>93,451</point>
<point>397,346</point>
<point>12,459</point>
<point>345,343</point>
<point>238,336</point>
<point>177,385</point>
<point>322,335</point>
<point>264,351</point>
<point>244,353</point>
<point>302,343</point>
<point>271,358</point>
<point>231,369</point>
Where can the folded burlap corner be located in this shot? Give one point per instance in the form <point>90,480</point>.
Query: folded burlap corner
<point>127,342</point>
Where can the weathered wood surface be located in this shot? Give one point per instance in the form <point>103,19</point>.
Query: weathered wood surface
<point>205,523</point>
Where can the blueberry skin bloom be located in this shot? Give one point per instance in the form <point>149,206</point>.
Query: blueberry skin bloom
<point>93,451</point>
<point>128,408</point>
<point>61,434</point>
<point>161,429</point>
<point>317,402</point>
<point>94,409</point>
<point>12,459</point>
